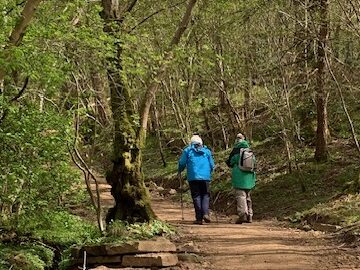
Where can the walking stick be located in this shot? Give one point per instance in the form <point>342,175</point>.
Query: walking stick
<point>181,197</point>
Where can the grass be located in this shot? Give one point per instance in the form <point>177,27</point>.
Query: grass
<point>138,231</point>
<point>152,163</point>
<point>343,211</point>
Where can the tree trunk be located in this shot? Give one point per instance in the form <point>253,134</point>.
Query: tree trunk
<point>321,152</point>
<point>150,93</point>
<point>248,54</point>
<point>128,188</point>
<point>132,201</point>
<point>19,29</point>
<point>209,132</point>
<point>158,133</point>
<point>100,95</point>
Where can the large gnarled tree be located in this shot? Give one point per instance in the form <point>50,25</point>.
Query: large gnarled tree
<point>128,188</point>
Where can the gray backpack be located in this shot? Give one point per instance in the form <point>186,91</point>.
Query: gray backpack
<point>247,161</point>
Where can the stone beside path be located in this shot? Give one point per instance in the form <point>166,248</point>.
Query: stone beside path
<point>150,253</point>
<point>150,259</point>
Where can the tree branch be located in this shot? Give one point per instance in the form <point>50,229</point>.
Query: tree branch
<point>26,16</point>
<point>153,14</point>
<point>150,92</point>
<point>131,6</point>
<point>21,92</point>
<point>11,9</point>
<point>183,24</point>
<point>351,124</point>
<point>19,29</point>
<point>14,99</point>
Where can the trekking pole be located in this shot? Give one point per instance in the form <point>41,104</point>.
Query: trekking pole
<point>215,212</point>
<point>181,197</point>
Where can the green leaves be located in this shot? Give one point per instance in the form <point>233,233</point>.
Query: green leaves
<point>35,166</point>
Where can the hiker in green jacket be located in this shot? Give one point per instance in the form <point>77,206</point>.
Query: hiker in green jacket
<point>242,181</point>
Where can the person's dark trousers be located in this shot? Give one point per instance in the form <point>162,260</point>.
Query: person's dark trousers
<point>200,193</point>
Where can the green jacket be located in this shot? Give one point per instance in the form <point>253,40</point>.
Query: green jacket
<point>239,178</point>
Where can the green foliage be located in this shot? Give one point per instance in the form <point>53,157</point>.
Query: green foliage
<point>343,211</point>
<point>26,257</point>
<point>124,231</point>
<point>35,166</point>
<point>59,36</point>
<point>58,227</point>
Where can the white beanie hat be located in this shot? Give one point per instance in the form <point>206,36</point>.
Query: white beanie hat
<point>196,139</point>
<point>240,136</point>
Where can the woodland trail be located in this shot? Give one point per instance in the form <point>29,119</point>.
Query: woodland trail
<point>260,245</point>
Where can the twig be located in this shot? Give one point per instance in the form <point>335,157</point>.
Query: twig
<point>153,14</point>
<point>14,99</point>
<point>21,91</point>
<point>351,124</point>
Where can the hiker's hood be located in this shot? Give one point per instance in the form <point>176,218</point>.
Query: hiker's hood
<point>198,147</point>
<point>242,144</point>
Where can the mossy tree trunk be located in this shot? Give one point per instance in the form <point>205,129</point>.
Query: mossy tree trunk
<point>128,188</point>
<point>132,202</point>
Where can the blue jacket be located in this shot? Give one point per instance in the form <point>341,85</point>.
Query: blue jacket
<point>198,162</point>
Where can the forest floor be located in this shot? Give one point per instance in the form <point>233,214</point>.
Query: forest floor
<point>263,244</point>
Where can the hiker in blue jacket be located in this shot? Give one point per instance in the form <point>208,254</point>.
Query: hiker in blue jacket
<point>198,160</point>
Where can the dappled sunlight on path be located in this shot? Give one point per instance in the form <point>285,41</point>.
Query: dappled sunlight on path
<point>260,245</point>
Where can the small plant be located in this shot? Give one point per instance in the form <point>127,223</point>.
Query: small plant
<point>125,231</point>
<point>59,227</point>
<point>26,257</point>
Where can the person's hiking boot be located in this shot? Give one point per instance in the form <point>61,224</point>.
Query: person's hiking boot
<point>241,219</point>
<point>249,219</point>
<point>207,218</point>
<point>198,222</point>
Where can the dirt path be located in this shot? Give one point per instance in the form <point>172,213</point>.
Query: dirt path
<point>260,245</point>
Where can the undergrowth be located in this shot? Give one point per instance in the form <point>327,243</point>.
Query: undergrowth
<point>33,241</point>
<point>36,239</point>
<point>327,192</point>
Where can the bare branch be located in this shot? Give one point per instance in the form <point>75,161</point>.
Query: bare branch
<point>153,14</point>
<point>14,99</point>
<point>351,124</point>
<point>131,6</point>
<point>21,92</point>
